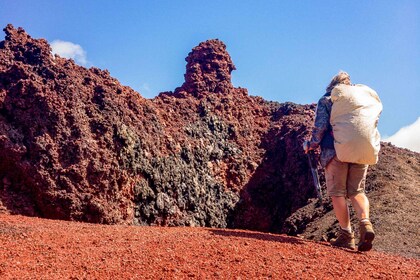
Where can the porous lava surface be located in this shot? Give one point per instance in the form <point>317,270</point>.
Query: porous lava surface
<point>78,145</point>
<point>75,144</point>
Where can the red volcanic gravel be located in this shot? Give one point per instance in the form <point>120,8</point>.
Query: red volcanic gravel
<point>34,248</point>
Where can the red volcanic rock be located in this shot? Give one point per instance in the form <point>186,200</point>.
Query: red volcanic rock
<point>54,135</point>
<point>75,144</point>
<point>78,145</point>
<point>209,68</point>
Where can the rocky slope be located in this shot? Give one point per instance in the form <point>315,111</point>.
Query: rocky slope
<point>75,144</point>
<point>393,188</point>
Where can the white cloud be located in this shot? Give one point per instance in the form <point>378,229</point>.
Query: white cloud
<point>407,137</point>
<point>146,90</point>
<point>69,50</point>
<point>145,87</point>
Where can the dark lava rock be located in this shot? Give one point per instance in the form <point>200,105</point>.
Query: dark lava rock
<point>76,144</point>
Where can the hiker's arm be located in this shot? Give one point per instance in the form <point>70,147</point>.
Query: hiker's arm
<point>322,121</point>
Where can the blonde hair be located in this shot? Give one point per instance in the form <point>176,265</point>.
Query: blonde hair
<point>341,78</point>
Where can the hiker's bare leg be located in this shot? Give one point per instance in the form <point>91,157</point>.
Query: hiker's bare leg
<point>341,211</point>
<point>360,204</point>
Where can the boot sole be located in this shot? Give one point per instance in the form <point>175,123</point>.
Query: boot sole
<point>350,247</point>
<point>366,243</point>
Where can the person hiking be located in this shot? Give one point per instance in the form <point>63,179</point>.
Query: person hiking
<point>343,179</point>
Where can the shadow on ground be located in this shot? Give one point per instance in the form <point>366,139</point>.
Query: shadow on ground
<point>257,235</point>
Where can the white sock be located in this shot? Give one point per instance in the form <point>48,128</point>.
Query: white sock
<point>364,220</point>
<point>348,229</point>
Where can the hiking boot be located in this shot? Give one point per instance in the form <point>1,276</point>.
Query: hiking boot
<point>345,239</point>
<point>366,236</point>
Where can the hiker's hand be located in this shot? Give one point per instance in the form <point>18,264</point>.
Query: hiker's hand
<point>306,146</point>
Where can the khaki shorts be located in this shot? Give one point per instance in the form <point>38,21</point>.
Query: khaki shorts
<point>345,179</point>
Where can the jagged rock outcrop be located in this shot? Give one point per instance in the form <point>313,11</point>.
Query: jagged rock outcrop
<point>57,120</point>
<point>209,68</point>
<point>75,144</point>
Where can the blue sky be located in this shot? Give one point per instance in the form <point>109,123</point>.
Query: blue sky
<point>283,50</point>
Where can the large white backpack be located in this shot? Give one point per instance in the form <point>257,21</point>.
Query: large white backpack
<point>354,119</point>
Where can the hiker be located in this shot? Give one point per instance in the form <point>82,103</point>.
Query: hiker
<point>345,178</point>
